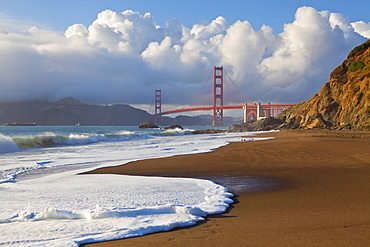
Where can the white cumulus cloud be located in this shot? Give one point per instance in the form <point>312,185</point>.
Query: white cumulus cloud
<point>362,28</point>
<point>123,57</point>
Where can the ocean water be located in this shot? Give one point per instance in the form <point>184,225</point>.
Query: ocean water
<point>45,203</point>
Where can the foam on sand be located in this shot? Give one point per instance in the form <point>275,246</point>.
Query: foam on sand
<point>67,210</point>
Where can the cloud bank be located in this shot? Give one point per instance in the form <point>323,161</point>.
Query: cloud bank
<point>124,57</point>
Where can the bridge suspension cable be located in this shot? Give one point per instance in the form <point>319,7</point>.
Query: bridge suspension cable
<point>245,97</point>
<point>167,103</point>
<point>152,105</point>
<point>208,90</point>
<point>200,96</point>
<point>227,84</point>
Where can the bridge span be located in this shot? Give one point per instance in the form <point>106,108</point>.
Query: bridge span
<point>251,111</point>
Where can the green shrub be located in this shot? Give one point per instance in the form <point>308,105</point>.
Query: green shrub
<point>359,49</point>
<point>356,66</point>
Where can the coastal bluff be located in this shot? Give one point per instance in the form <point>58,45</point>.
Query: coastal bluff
<point>342,103</point>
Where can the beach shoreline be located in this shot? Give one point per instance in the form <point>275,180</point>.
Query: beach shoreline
<point>323,199</point>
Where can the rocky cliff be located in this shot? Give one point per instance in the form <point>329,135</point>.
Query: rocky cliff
<point>343,102</point>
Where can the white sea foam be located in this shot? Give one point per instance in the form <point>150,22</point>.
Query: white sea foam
<point>115,151</point>
<point>50,139</point>
<point>66,210</point>
<point>7,144</point>
<point>52,206</point>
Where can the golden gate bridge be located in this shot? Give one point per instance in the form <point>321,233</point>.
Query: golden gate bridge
<point>252,111</point>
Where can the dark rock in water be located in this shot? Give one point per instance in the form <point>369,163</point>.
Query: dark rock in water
<point>264,124</point>
<point>209,131</point>
<point>175,126</point>
<point>148,125</point>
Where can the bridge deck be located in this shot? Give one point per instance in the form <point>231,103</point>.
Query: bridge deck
<point>229,107</point>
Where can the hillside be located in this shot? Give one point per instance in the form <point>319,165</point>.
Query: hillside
<point>70,111</point>
<point>343,102</point>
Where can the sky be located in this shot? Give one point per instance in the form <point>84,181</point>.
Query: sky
<point>120,51</point>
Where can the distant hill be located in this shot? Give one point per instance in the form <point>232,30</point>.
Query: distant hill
<point>70,111</point>
<point>343,102</point>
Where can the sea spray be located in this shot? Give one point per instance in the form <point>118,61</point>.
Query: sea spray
<point>7,144</point>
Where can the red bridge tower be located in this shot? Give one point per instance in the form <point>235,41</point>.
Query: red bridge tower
<point>158,107</point>
<point>218,96</point>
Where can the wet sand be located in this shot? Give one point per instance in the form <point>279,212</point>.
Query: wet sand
<point>313,190</point>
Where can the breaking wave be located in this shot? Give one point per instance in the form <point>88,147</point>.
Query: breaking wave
<point>8,144</point>
<point>72,139</point>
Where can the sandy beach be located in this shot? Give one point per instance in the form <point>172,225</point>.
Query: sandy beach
<point>314,190</point>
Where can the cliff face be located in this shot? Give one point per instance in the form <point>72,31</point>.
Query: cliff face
<point>343,102</point>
